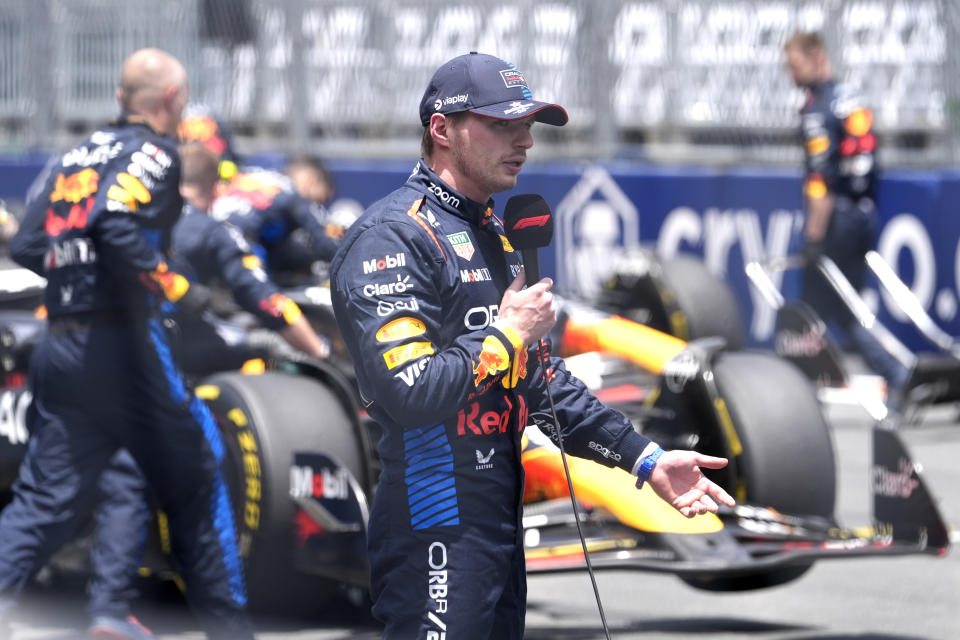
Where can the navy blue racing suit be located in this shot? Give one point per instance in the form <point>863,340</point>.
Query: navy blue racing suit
<point>103,378</point>
<point>416,287</point>
<point>205,251</point>
<point>216,253</point>
<point>288,230</point>
<point>840,160</point>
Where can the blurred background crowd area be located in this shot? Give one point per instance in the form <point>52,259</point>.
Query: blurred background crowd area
<point>664,81</point>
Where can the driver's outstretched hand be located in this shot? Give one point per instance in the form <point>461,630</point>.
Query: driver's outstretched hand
<point>677,479</point>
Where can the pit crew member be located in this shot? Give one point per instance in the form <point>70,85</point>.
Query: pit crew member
<point>286,230</point>
<point>102,378</point>
<point>839,189</point>
<point>215,253</point>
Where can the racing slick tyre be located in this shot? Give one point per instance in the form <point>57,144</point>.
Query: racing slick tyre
<point>704,300</point>
<point>265,419</point>
<point>676,295</point>
<point>787,460</point>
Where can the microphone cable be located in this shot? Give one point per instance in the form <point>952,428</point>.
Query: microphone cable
<point>544,372</point>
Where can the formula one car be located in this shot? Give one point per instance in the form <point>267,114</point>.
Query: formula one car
<point>302,468</point>
<point>802,337</point>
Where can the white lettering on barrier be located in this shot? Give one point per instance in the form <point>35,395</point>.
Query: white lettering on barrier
<point>716,232</point>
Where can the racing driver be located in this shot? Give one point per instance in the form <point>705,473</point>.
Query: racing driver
<point>430,298</point>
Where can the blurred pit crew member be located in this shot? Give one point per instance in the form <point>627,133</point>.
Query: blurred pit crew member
<point>839,191</point>
<point>204,251</point>
<point>102,377</point>
<point>311,178</point>
<point>216,253</point>
<point>430,298</point>
<point>286,230</point>
<point>120,526</point>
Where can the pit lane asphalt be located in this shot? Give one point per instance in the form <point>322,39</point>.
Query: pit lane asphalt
<point>905,598</point>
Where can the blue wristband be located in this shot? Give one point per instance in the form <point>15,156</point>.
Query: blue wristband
<point>647,465</point>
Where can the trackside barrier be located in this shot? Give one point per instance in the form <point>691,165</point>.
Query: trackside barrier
<point>729,217</point>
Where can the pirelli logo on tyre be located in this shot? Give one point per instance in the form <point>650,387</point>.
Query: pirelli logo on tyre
<point>407,352</point>
<point>234,423</point>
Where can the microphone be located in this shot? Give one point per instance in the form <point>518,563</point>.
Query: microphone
<point>529,226</point>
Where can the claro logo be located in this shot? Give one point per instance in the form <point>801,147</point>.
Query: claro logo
<point>389,288</point>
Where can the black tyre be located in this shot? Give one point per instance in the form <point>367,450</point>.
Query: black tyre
<point>787,460</point>
<point>705,302</point>
<point>677,295</point>
<point>265,419</point>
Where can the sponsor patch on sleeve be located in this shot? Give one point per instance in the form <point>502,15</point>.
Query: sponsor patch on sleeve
<point>815,187</point>
<point>858,123</point>
<point>401,329</point>
<point>129,191</point>
<point>492,359</point>
<point>818,145</point>
<point>406,352</point>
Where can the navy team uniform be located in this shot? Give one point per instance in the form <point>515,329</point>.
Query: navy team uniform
<point>212,252</point>
<point>416,288</point>
<point>289,232</point>
<point>840,159</point>
<point>103,377</point>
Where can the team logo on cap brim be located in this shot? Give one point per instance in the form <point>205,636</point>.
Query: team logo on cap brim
<point>517,108</point>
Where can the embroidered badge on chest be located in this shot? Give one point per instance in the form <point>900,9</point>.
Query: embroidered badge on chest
<point>461,244</point>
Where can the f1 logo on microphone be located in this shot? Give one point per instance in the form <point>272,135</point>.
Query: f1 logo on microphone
<point>533,221</point>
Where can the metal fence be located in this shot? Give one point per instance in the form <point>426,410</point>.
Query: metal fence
<point>667,80</point>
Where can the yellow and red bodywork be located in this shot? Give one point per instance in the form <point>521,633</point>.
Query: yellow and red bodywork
<point>595,485</point>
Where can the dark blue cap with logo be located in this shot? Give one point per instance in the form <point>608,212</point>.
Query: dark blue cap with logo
<point>488,86</point>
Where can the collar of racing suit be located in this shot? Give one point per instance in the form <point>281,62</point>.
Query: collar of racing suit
<point>126,118</point>
<point>449,199</point>
<point>821,89</point>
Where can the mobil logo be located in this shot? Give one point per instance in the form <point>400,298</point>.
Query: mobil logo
<point>307,482</point>
<point>388,261</point>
